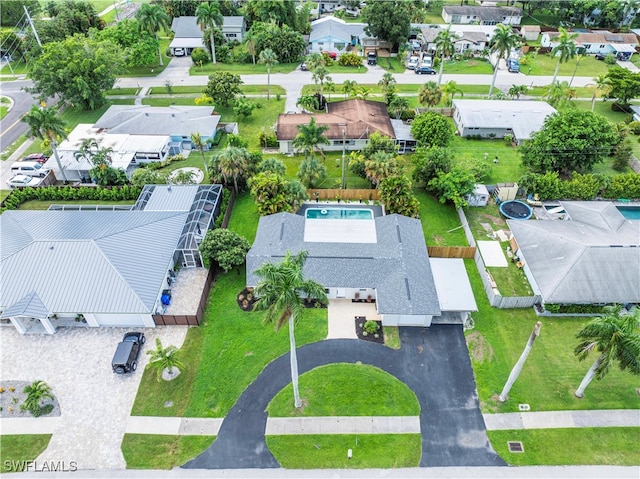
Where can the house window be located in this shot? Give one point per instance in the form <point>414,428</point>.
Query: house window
<point>587,46</point>
<point>601,46</point>
<point>468,17</point>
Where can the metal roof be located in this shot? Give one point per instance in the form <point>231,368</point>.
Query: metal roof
<point>87,261</point>
<point>592,258</point>
<point>397,266</point>
<point>31,306</point>
<point>452,284</point>
<point>332,27</point>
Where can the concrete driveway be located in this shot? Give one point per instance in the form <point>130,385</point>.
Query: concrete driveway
<point>94,402</point>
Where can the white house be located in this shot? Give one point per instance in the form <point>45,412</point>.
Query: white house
<point>334,35</point>
<point>105,268</point>
<point>498,118</point>
<point>623,45</point>
<point>382,257</point>
<point>467,37</point>
<point>188,34</point>
<point>481,15</point>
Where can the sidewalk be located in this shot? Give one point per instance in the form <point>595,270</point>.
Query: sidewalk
<point>185,426</point>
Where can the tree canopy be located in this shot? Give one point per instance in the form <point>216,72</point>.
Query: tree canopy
<point>569,141</point>
<point>225,247</point>
<point>138,46</point>
<point>432,129</point>
<point>623,85</point>
<point>398,197</point>
<point>287,44</point>
<point>223,87</point>
<point>12,12</point>
<point>388,20</point>
<point>78,69</point>
<point>272,193</point>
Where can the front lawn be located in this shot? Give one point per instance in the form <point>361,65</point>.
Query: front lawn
<point>346,390</point>
<point>18,449</point>
<point>611,446</point>
<point>391,64</point>
<point>154,451</point>
<point>474,66</point>
<point>197,90</point>
<point>241,68</point>
<point>328,451</point>
<point>545,64</point>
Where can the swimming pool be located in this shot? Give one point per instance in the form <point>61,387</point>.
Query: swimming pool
<point>338,214</point>
<point>630,212</point>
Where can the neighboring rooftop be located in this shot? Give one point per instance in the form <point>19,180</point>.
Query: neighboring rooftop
<point>487,14</point>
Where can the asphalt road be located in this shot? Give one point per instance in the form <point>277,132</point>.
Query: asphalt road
<point>10,126</point>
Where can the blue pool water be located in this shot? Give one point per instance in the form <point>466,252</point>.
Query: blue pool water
<point>339,214</point>
<point>630,212</point>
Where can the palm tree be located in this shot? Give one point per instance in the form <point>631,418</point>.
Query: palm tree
<point>44,123</point>
<point>566,49</point>
<point>280,292</point>
<point>379,166</point>
<point>208,15</point>
<point>362,93</point>
<point>429,94</point>
<point>319,75</point>
<point>311,172</point>
<point>310,137</point>
<point>449,90</point>
<point>152,18</point>
<point>233,162</point>
<point>387,83</point>
<point>348,87</point>
<point>330,85</point>
<point>196,139</point>
<point>315,60</point>
<point>36,392</point>
<point>444,47</point>
<point>601,85</point>
<point>560,94</point>
<point>268,57</point>
<point>165,358</point>
<point>504,40</point>
<point>616,335</point>
<point>398,106</point>
<point>516,90</point>
<point>308,102</point>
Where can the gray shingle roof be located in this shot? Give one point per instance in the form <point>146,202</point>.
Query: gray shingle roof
<point>186,27</point>
<point>158,120</point>
<point>397,266</point>
<point>593,258</point>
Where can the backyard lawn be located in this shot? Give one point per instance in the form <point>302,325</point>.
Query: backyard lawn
<point>152,451</point>
<point>333,163</point>
<point>440,222</point>
<point>509,167</point>
<point>346,390</point>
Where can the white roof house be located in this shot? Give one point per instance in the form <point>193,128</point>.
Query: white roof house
<point>188,34</point>
<point>594,257</point>
<point>109,266</point>
<point>498,118</point>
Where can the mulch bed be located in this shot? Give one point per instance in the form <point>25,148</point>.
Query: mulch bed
<point>246,299</point>
<point>11,400</point>
<point>313,303</point>
<point>362,334</point>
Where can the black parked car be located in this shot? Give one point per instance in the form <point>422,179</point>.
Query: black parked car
<point>125,360</point>
<point>425,71</point>
<point>372,58</point>
<point>599,56</point>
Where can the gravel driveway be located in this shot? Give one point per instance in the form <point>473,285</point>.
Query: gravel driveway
<point>94,402</point>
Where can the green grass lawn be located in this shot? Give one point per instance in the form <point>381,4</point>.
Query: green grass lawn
<point>330,451</point>
<point>347,390</point>
<point>440,223</point>
<point>391,64</point>
<point>15,449</point>
<point>551,374</point>
<point>123,91</point>
<point>3,111</point>
<point>602,107</point>
<point>154,69</point>
<point>567,447</point>
<point>19,68</point>
<point>333,163</point>
<point>546,65</point>
<point>245,217</point>
<point>152,451</point>
<point>474,66</point>
<point>197,90</point>
<point>241,68</point>
<point>581,92</point>
<point>509,167</point>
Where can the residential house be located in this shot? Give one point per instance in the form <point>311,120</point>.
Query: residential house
<point>592,257</point>
<point>482,15</point>
<point>530,33</point>
<point>331,34</point>
<point>602,42</point>
<point>467,37</point>
<point>137,134</point>
<point>101,267</point>
<point>188,33</point>
<point>350,122</point>
<point>498,118</point>
<point>383,258</point>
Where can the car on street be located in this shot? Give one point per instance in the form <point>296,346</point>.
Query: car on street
<point>19,181</point>
<point>425,71</point>
<point>39,157</point>
<point>303,67</point>
<point>125,359</point>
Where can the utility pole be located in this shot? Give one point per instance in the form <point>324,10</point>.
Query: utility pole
<point>518,367</point>
<point>35,33</point>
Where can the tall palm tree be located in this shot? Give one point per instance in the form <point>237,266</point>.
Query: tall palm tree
<point>268,58</point>
<point>348,87</point>
<point>152,18</point>
<point>601,85</point>
<point>44,123</point>
<point>311,172</point>
<point>504,40</point>
<point>564,50</point>
<point>429,94</point>
<point>196,139</point>
<point>280,293</point>
<point>449,90</point>
<point>387,83</point>
<point>379,166</point>
<point>320,74</point>
<point>233,162</point>
<point>310,137</point>
<point>616,335</point>
<point>208,15</point>
<point>330,85</point>
<point>398,106</point>
<point>444,47</point>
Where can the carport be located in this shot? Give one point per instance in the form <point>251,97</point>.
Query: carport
<point>29,315</point>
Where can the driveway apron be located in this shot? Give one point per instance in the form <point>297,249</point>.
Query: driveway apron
<point>433,362</point>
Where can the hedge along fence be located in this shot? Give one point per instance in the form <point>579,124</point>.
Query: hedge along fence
<point>549,186</point>
<point>335,194</point>
<point>70,193</point>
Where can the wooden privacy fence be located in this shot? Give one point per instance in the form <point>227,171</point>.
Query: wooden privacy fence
<point>466,252</point>
<point>188,319</point>
<point>351,195</point>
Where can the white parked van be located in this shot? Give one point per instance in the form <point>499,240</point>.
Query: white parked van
<point>29,168</point>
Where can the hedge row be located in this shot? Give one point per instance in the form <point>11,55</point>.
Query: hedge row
<point>574,308</point>
<point>581,187</point>
<point>70,193</point>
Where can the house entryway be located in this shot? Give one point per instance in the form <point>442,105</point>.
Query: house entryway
<point>342,313</point>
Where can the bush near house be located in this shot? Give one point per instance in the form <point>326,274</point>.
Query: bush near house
<point>581,187</point>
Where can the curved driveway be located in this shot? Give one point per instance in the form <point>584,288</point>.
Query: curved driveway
<point>433,362</point>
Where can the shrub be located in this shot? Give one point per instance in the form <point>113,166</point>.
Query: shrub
<point>267,138</point>
<point>199,56</point>
<point>634,127</point>
<point>350,60</point>
<point>610,59</point>
<point>371,327</point>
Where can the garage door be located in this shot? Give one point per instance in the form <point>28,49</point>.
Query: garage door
<point>120,320</point>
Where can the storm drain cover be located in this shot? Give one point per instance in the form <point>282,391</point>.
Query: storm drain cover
<point>515,446</point>
<point>524,407</point>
